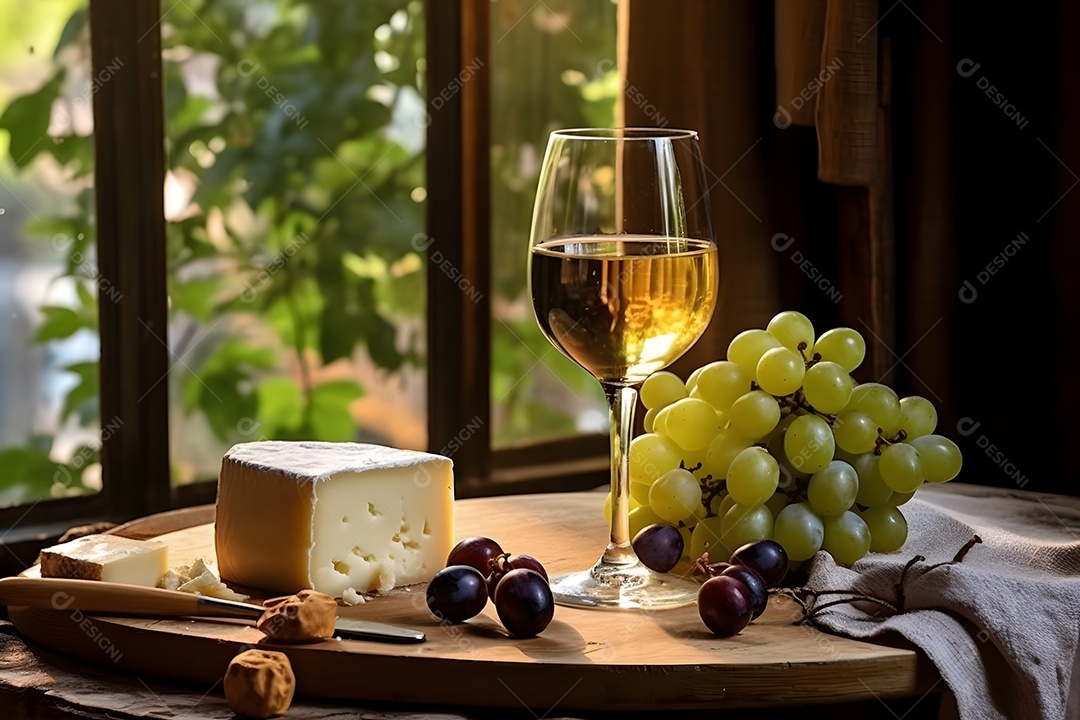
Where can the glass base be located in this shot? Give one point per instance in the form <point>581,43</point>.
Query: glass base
<point>622,587</point>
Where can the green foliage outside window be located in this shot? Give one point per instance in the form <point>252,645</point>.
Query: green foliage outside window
<point>295,151</point>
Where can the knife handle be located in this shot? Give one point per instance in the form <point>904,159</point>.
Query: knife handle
<point>96,596</point>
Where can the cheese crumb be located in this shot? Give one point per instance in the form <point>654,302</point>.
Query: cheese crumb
<point>351,597</point>
<point>198,578</point>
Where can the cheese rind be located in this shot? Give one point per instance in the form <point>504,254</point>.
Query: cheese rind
<point>332,516</point>
<point>109,558</point>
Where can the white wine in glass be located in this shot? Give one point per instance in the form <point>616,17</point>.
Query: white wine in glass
<point>623,275</point>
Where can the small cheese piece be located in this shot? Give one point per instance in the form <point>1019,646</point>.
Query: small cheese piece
<point>198,578</point>
<point>109,558</point>
<point>207,583</point>
<point>351,597</point>
<point>172,579</point>
<point>332,516</point>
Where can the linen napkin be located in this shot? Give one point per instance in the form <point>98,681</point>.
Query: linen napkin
<point>1003,625</point>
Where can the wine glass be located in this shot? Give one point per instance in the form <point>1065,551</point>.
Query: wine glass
<point>623,275</point>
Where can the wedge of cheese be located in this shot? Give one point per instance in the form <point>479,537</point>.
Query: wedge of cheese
<point>109,558</point>
<point>332,516</point>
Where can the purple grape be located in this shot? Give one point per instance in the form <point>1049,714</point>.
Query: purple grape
<point>724,605</point>
<point>659,547</point>
<point>759,593</point>
<point>527,562</point>
<point>457,593</point>
<point>504,563</point>
<point>766,557</point>
<point>474,552</point>
<point>524,602</point>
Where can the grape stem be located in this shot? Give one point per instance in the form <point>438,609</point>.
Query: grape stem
<point>796,403</point>
<point>706,569</point>
<point>808,599</point>
<point>798,492</point>
<point>497,567</point>
<point>710,489</point>
<point>813,360</point>
<point>882,442</point>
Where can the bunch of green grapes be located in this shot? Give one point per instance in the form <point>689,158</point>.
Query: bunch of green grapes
<point>778,441</point>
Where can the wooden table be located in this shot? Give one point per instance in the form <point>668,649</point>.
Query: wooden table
<point>35,682</point>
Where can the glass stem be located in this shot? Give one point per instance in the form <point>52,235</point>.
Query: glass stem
<point>622,400</point>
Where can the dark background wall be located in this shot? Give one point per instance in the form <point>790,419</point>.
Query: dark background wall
<point>985,216</point>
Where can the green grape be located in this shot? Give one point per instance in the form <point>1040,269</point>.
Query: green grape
<point>721,383</point>
<point>691,382</point>
<point>873,491</point>
<point>700,512</point>
<point>754,415</point>
<point>832,490</point>
<point>687,534</point>
<point>792,328</point>
<point>888,528</point>
<point>747,347</point>
<point>855,432</point>
<point>650,419</point>
<point>880,403</point>
<point>780,371</point>
<point>901,468</point>
<point>725,504</point>
<point>639,493</point>
<point>847,538</point>
<point>690,423</point>
<point>799,530</point>
<point>706,539</point>
<point>941,458</point>
<point>715,502</point>
<point>808,444</point>
<point>742,525</point>
<point>917,417</point>
<point>661,389</point>
<point>788,474</point>
<point>659,422</point>
<point>827,387</point>
<point>898,499</point>
<point>692,458</point>
<point>607,507</point>
<point>778,431</point>
<point>842,454</point>
<point>843,346</point>
<point>642,517</point>
<point>776,503</point>
<point>674,495</point>
<point>753,476</point>
<point>651,456</point>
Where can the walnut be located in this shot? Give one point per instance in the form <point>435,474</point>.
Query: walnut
<point>259,684</point>
<point>307,616</point>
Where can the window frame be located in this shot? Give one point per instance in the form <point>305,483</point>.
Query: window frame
<point>129,158</point>
<point>459,218</point>
<point>129,170</point>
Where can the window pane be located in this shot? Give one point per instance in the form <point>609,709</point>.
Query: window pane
<point>552,66</point>
<point>295,190</point>
<point>50,429</point>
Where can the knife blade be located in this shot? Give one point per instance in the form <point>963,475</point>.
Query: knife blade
<point>118,599</point>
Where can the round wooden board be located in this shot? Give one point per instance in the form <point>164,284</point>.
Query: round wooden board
<point>586,659</point>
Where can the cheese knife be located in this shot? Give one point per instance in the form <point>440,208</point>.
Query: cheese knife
<point>118,599</point>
